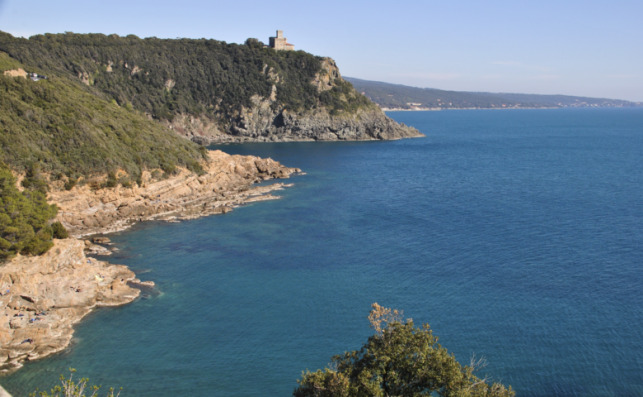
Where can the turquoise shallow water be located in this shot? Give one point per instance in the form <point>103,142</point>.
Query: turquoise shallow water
<point>515,234</point>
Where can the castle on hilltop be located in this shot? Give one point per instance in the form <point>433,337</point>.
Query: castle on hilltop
<point>280,43</point>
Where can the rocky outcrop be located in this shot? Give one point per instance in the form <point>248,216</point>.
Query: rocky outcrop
<point>43,297</point>
<point>20,72</point>
<point>266,121</point>
<point>262,124</point>
<point>227,182</point>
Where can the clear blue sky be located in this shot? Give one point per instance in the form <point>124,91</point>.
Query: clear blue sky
<point>576,47</point>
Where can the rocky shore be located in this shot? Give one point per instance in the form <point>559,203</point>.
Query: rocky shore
<point>227,183</point>
<point>261,123</point>
<point>43,297</point>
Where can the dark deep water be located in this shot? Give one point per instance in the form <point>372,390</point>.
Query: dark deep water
<point>518,235</point>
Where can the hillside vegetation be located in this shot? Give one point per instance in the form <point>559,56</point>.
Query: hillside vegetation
<point>25,216</point>
<point>164,78</point>
<point>55,128</point>
<point>71,132</point>
<point>396,96</point>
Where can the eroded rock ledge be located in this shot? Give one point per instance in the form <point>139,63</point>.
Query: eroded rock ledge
<point>43,297</point>
<point>227,183</point>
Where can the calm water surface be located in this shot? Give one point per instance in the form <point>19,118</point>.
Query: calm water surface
<point>516,234</point>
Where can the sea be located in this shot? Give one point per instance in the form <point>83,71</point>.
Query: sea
<point>516,234</point>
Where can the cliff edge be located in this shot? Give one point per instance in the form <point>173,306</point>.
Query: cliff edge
<point>227,182</point>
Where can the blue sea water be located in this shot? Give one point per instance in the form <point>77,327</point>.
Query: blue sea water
<point>518,235</point>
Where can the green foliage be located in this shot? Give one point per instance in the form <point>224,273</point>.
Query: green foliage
<point>59,231</point>
<point>399,360</point>
<point>24,219</point>
<point>71,388</point>
<point>59,127</point>
<point>33,179</point>
<point>8,63</point>
<point>343,98</point>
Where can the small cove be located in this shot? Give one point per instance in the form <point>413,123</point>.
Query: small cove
<point>515,234</point>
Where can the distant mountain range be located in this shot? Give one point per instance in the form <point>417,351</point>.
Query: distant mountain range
<point>396,96</point>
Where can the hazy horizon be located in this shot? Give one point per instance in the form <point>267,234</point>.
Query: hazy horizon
<point>485,92</point>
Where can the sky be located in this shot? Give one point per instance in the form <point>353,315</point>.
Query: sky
<point>573,47</point>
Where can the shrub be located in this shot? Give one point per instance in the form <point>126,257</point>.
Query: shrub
<point>71,388</point>
<point>399,360</point>
<point>59,231</point>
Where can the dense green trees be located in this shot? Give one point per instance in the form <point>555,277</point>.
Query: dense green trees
<point>25,217</point>
<point>104,125</point>
<point>400,359</point>
<point>71,132</point>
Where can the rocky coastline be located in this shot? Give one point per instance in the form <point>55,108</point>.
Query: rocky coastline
<point>43,297</point>
<point>228,181</point>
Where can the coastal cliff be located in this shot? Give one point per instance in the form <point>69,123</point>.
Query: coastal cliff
<point>261,123</point>
<point>211,91</point>
<point>265,119</point>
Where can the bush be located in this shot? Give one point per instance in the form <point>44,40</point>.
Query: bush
<point>70,388</point>
<point>71,182</point>
<point>59,231</point>
<point>399,360</point>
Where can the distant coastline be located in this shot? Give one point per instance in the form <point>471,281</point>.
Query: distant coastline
<point>396,97</point>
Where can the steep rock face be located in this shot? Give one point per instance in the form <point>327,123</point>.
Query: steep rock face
<point>267,121</point>
<point>43,297</point>
<point>263,124</point>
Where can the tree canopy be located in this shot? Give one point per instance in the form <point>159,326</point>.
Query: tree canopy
<point>72,388</point>
<point>400,359</point>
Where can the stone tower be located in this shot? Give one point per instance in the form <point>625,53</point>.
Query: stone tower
<point>280,43</point>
